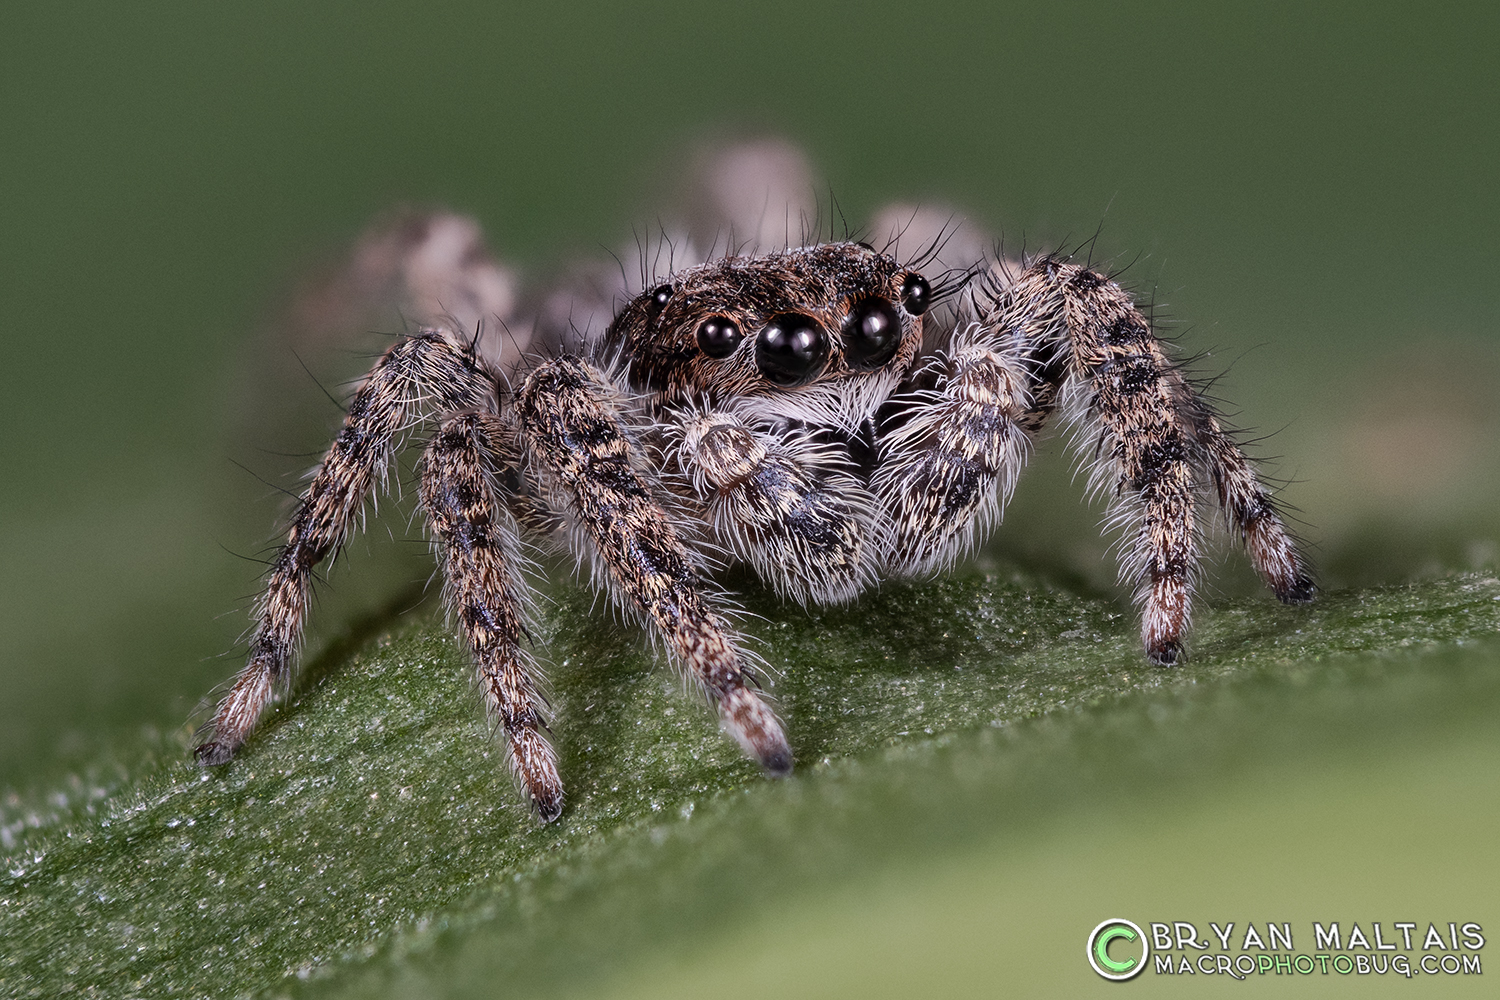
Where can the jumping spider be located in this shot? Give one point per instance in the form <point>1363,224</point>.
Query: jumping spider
<point>807,412</point>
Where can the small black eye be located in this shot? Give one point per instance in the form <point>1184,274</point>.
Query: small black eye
<point>718,336</point>
<point>660,296</point>
<point>871,334</point>
<point>916,294</point>
<point>791,350</point>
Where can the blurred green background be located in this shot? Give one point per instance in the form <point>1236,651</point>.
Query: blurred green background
<point>1312,188</point>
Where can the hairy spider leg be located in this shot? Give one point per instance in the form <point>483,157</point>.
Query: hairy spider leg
<point>1250,511</point>
<point>782,505</point>
<point>574,429</point>
<point>1150,439</point>
<point>419,377</point>
<point>477,546</point>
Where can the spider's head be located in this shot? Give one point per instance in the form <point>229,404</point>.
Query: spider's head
<point>800,324</point>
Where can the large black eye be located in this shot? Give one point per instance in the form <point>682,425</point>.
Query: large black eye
<point>718,336</point>
<point>916,294</point>
<point>791,350</point>
<point>871,334</point>
<point>660,296</point>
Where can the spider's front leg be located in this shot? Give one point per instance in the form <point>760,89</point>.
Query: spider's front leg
<point>478,546</point>
<point>574,429</point>
<point>783,506</point>
<point>1153,441</point>
<point>418,377</point>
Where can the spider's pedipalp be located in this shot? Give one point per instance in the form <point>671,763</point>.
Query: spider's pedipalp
<point>953,457</point>
<point>575,432</point>
<point>421,376</point>
<point>479,550</point>
<point>784,505</point>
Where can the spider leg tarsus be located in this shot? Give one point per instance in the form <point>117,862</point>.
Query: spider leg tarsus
<point>214,753</point>
<point>1166,653</point>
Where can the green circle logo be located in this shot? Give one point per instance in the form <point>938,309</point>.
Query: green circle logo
<point>1118,967</point>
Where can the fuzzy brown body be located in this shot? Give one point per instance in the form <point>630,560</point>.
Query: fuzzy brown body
<point>822,282</point>
<point>788,411</point>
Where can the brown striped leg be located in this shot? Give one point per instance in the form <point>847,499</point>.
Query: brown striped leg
<point>781,506</point>
<point>419,377</point>
<point>575,431</point>
<point>1153,438</point>
<point>477,546</point>
<point>1251,513</point>
<point>517,484</point>
<point>1145,448</point>
<point>947,470</point>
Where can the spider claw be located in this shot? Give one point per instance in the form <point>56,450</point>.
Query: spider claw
<point>548,806</point>
<point>778,763</point>
<point>213,754</point>
<point>1166,653</point>
<point>1301,591</point>
<point>756,730</point>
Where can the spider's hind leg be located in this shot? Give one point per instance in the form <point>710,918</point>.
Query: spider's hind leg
<point>479,551</point>
<point>420,376</point>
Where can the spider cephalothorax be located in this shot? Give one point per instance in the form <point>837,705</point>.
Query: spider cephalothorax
<point>746,326</point>
<point>787,410</point>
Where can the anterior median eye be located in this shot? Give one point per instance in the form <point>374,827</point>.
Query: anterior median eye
<point>718,336</point>
<point>791,350</point>
<point>871,334</point>
<point>916,294</point>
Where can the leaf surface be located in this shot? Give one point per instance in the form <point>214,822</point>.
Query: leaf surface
<point>368,840</point>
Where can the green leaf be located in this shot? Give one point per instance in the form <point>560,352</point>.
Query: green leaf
<point>368,840</point>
